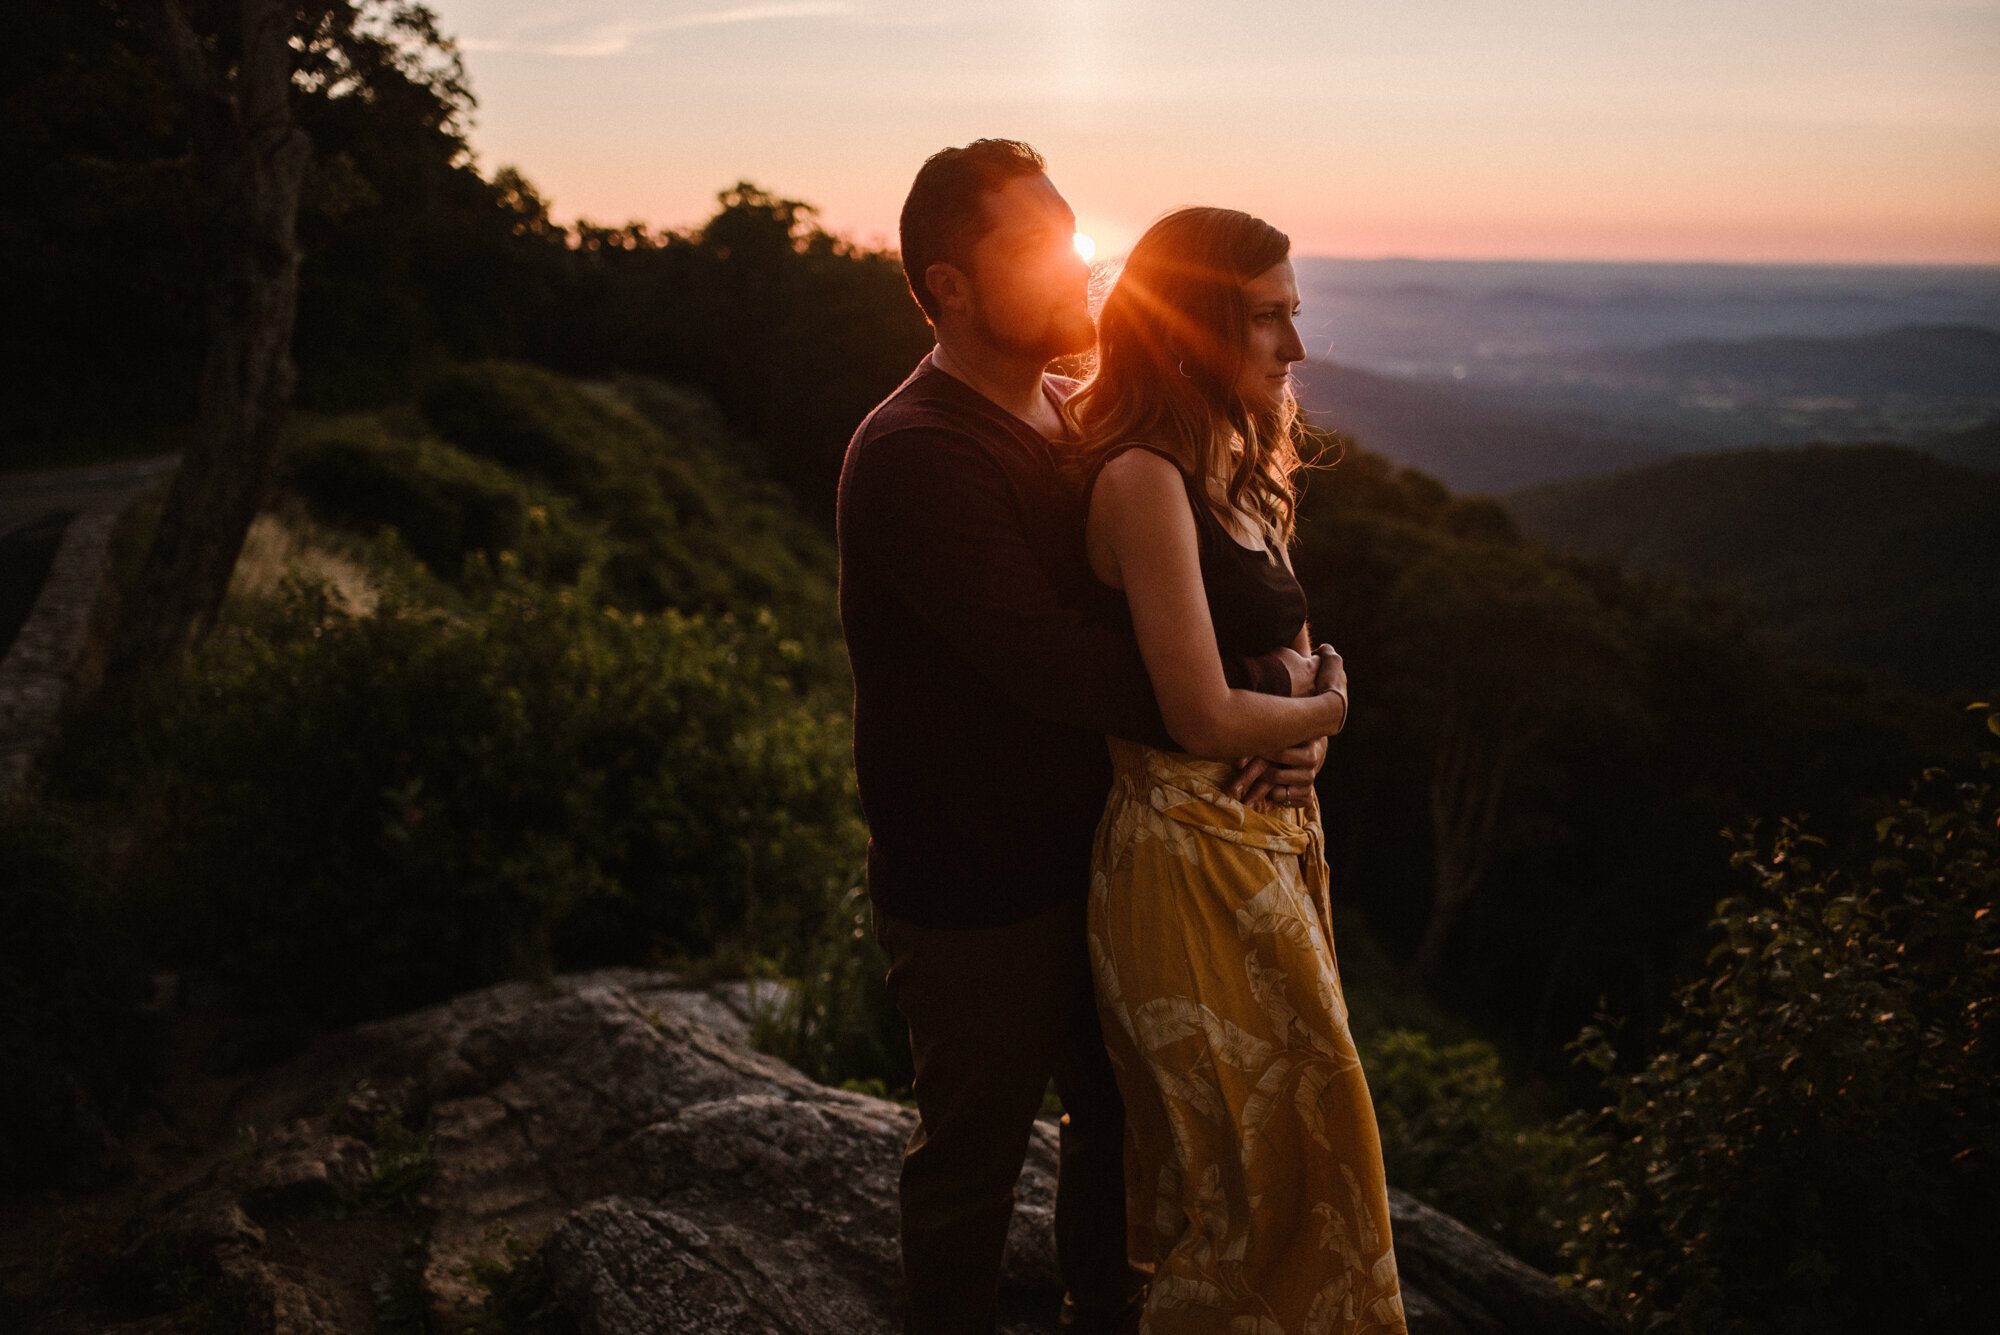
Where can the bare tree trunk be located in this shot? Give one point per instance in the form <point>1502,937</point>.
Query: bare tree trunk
<point>251,161</point>
<point>1468,779</point>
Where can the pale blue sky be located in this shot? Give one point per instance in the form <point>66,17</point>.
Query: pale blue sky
<point>1758,129</point>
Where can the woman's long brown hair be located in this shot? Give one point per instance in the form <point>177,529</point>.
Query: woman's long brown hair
<point>1170,344</point>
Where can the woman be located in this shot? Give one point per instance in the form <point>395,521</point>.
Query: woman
<point>1253,1171</point>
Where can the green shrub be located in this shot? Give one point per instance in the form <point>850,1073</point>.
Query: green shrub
<point>444,504</point>
<point>588,444</point>
<point>1815,1146</point>
<point>364,813</point>
<point>683,522</point>
<point>1452,1137</point>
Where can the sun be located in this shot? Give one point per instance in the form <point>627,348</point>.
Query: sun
<point>1085,246</point>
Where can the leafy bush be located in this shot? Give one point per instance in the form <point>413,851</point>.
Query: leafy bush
<point>1816,1144</point>
<point>364,813</point>
<point>445,504</point>
<point>536,423</point>
<point>1452,1137</point>
<point>640,479</point>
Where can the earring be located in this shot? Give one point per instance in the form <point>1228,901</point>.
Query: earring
<point>1182,364</point>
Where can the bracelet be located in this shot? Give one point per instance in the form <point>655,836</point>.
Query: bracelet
<point>1336,690</point>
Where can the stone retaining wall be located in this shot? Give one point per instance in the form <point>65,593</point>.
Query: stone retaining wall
<point>35,675</point>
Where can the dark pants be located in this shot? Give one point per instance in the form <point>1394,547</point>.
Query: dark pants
<point>993,1014</point>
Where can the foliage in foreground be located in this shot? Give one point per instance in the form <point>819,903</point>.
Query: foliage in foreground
<point>1454,1137</point>
<point>365,813</point>
<point>1816,1144</point>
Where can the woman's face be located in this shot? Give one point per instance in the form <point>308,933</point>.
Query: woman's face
<point>1272,343</point>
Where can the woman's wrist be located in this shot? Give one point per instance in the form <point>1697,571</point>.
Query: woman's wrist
<point>1340,691</point>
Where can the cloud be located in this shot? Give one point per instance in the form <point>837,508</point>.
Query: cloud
<point>622,37</point>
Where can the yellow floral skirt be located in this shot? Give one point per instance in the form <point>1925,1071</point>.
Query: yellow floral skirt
<point>1253,1172</point>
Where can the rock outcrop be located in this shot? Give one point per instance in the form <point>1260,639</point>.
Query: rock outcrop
<point>677,1183</point>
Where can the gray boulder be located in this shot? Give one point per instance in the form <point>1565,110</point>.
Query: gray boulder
<point>657,1177</point>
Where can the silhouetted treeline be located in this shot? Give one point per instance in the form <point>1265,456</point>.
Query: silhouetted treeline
<point>414,258</point>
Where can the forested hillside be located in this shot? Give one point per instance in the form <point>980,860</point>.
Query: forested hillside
<point>1875,557</point>
<point>1528,805</point>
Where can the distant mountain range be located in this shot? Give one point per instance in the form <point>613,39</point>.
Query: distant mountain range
<point>1429,318</point>
<point>1515,422</point>
<point>1463,435</point>
<point>1950,362</point>
<point>1875,556</point>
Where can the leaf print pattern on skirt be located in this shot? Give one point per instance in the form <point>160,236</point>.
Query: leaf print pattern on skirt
<point>1252,1167</point>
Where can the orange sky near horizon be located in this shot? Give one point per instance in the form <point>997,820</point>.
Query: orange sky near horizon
<point>1830,131</point>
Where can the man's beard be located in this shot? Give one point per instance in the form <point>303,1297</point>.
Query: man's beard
<point>1058,337</point>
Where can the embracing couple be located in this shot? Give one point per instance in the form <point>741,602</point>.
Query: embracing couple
<point>1072,617</point>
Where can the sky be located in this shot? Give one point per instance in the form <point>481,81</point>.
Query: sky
<point>1837,131</point>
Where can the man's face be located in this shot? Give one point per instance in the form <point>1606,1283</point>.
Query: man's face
<point>1029,286</point>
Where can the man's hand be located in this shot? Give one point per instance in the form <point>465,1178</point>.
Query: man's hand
<point>1311,675</point>
<point>1301,669</point>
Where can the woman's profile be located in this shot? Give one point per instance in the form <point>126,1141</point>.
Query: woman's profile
<point>1253,1170</point>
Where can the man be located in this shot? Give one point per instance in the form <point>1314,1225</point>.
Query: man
<point>982,697</point>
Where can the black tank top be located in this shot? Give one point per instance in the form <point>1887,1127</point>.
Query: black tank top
<point>1253,598</point>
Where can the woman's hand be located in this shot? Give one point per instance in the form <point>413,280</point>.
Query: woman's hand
<point>1285,777</point>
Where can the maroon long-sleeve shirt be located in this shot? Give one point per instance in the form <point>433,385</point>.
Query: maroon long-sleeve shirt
<point>982,693</point>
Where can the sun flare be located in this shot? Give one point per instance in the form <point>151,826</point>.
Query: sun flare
<point>1085,246</point>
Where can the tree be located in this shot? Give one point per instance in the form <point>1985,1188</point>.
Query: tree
<point>107,228</point>
<point>250,160</point>
<point>94,227</point>
<point>794,332</point>
<point>239,74</point>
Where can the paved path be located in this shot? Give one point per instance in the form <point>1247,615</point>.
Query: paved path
<point>26,497</point>
<point>36,672</point>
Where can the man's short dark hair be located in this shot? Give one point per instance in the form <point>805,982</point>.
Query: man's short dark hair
<point>945,213</point>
